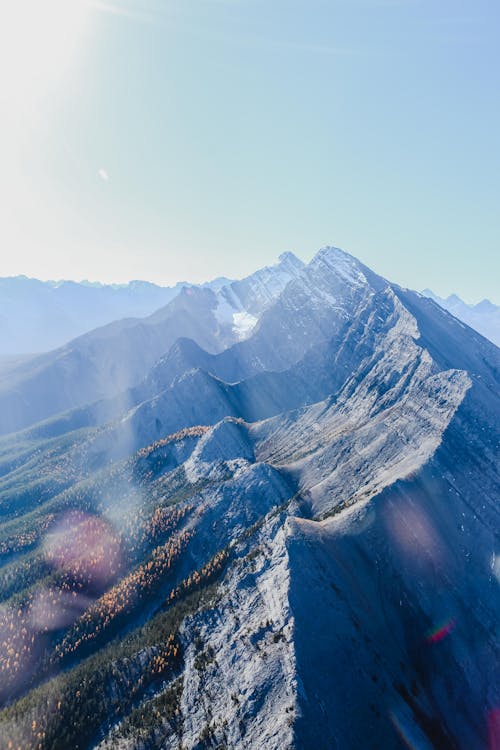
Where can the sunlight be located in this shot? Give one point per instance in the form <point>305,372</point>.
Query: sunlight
<point>38,40</point>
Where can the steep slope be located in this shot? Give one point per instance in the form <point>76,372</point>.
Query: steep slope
<point>315,565</point>
<point>67,448</point>
<point>409,604</point>
<point>385,422</point>
<point>392,602</point>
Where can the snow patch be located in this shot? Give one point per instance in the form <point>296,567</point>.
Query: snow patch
<point>244,323</point>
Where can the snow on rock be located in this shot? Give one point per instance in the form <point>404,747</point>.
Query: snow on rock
<point>240,303</point>
<point>243,323</point>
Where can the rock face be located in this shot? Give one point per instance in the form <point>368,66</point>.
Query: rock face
<point>326,488</point>
<point>254,704</point>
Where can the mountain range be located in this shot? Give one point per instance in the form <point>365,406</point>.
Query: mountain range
<point>484,316</point>
<point>38,316</point>
<point>266,516</point>
<point>111,358</point>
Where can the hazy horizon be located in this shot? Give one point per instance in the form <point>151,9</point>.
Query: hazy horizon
<point>270,262</point>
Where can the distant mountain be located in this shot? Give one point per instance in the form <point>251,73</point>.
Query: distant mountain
<point>283,535</point>
<point>112,358</point>
<point>484,316</point>
<point>36,316</point>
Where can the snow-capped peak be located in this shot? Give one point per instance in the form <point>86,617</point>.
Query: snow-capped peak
<point>240,303</point>
<point>290,260</point>
<point>344,265</point>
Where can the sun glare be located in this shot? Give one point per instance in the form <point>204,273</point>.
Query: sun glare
<point>38,41</point>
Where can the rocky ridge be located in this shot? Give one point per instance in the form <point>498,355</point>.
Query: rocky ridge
<point>341,464</point>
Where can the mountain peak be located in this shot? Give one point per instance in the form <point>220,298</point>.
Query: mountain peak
<point>290,259</point>
<point>454,299</point>
<point>485,306</point>
<point>429,293</point>
<point>343,265</point>
<point>335,257</point>
<point>331,252</point>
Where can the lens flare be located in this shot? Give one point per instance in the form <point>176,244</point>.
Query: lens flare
<point>54,608</point>
<point>441,631</point>
<point>86,546</point>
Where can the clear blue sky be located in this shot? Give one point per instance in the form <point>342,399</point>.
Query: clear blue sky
<point>191,138</point>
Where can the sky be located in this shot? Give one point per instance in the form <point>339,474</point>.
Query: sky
<point>187,139</point>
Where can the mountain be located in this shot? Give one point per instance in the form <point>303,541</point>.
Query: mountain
<point>289,540</point>
<point>114,357</point>
<point>37,316</point>
<point>484,316</point>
